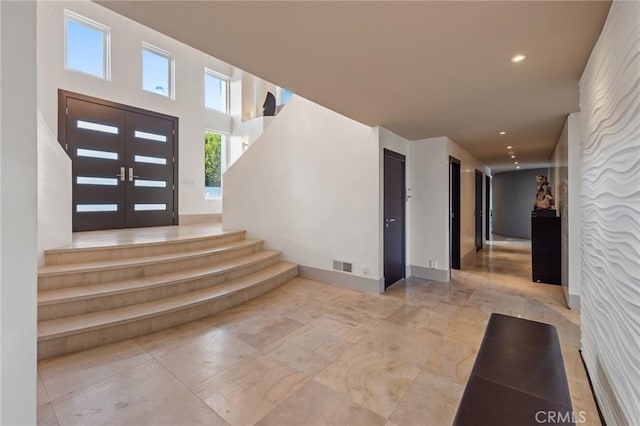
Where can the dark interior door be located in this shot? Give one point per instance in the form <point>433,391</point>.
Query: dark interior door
<point>150,173</point>
<point>454,213</point>
<point>394,217</point>
<point>96,144</point>
<point>487,203</point>
<point>123,163</point>
<point>478,210</point>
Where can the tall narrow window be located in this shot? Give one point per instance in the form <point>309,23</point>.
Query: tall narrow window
<point>215,92</point>
<point>86,45</point>
<point>157,71</point>
<point>213,164</point>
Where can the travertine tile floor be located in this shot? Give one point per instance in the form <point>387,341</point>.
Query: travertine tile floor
<point>310,353</point>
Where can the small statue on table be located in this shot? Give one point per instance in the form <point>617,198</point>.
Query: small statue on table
<point>544,198</point>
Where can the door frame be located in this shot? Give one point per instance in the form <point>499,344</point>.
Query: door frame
<point>63,95</point>
<point>403,206</point>
<point>487,207</point>
<point>478,210</point>
<point>454,225</point>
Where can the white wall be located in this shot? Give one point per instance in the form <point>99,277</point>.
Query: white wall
<point>126,87</point>
<point>309,186</point>
<point>54,192</point>
<point>468,165</point>
<point>559,179</point>
<point>610,211</point>
<point>565,178</point>
<point>574,274</point>
<point>429,205</point>
<point>18,241</point>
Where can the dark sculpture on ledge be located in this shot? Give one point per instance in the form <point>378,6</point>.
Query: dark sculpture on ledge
<point>269,106</point>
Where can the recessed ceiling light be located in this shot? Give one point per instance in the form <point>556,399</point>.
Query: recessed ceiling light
<point>518,58</point>
<point>513,156</point>
<point>503,133</point>
<point>515,162</point>
<point>509,147</point>
<point>517,167</point>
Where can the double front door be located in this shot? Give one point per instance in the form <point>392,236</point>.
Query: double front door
<point>123,164</point>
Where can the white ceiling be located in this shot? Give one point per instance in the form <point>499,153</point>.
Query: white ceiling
<point>420,69</point>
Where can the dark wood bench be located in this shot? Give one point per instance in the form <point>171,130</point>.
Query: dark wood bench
<point>518,377</point>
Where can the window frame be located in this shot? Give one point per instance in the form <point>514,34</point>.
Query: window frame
<point>224,160</point>
<point>227,82</point>
<point>280,95</point>
<point>172,64</point>
<point>69,15</point>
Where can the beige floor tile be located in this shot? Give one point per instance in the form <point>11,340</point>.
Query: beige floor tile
<point>582,400</point>
<point>203,356</point>
<point>452,359</point>
<point>46,415</point>
<point>262,329</point>
<point>399,359</point>
<point>431,400</point>
<point>411,316</point>
<point>346,331</point>
<point>245,393</point>
<point>308,349</point>
<point>184,409</point>
<point>315,404</point>
<point>376,306</point>
<point>404,344</point>
<point>120,398</point>
<point>369,378</point>
<point>42,397</point>
<point>77,371</point>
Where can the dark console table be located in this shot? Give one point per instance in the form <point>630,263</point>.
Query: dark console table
<point>545,249</point>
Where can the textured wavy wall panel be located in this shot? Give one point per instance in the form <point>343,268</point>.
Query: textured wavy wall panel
<point>610,200</point>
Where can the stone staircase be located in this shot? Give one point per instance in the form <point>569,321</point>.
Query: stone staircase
<point>94,296</point>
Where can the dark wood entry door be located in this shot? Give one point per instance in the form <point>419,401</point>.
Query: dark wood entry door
<point>123,164</point>
<point>454,214</point>
<point>394,217</point>
<point>478,210</point>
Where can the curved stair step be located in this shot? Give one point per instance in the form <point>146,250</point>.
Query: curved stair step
<point>84,299</point>
<point>75,255</point>
<point>75,333</point>
<point>77,274</point>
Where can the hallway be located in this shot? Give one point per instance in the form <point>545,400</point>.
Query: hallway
<point>314,353</point>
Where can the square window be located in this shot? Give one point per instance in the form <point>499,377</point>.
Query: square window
<point>157,71</point>
<point>215,92</point>
<point>214,145</point>
<point>86,45</point>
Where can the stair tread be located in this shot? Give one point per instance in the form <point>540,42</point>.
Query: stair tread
<point>64,326</point>
<point>175,240</point>
<point>136,284</point>
<point>138,261</point>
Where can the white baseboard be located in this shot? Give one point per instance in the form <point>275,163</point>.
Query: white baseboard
<point>342,279</point>
<point>432,274</point>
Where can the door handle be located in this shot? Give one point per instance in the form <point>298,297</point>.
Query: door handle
<point>390,220</point>
<point>122,174</point>
<point>131,175</point>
